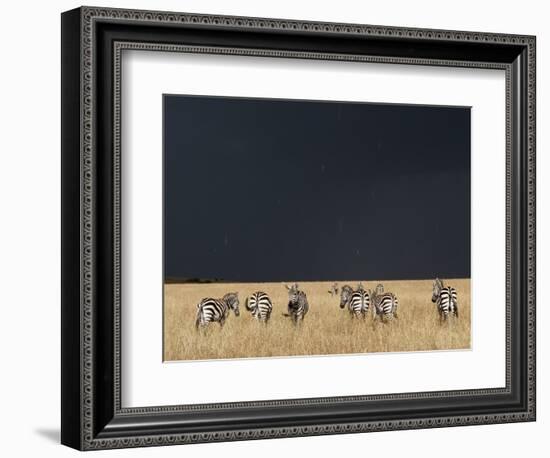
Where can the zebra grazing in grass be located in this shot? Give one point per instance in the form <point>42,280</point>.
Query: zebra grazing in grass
<point>385,304</point>
<point>298,305</point>
<point>216,310</point>
<point>260,305</point>
<point>446,299</point>
<point>358,301</point>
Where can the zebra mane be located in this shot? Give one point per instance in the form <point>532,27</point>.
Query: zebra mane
<point>230,298</point>
<point>438,285</point>
<point>346,289</point>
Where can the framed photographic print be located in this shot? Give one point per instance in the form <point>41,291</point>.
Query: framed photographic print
<point>279,228</point>
<point>301,190</point>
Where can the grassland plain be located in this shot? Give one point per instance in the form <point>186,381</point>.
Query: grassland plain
<point>326,329</point>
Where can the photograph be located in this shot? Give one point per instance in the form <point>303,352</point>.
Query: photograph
<point>314,227</point>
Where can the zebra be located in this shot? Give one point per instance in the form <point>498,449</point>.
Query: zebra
<point>260,305</point>
<point>385,304</point>
<point>298,305</point>
<point>345,295</point>
<point>333,291</point>
<point>358,301</point>
<point>446,299</point>
<point>210,310</point>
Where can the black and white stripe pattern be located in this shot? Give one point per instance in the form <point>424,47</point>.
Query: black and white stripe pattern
<point>298,305</point>
<point>260,305</point>
<point>446,299</point>
<point>216,310</point>
<point>385,304</point>
<point>357,302</point>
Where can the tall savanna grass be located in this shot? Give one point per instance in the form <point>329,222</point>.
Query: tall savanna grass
<point>326,329</point>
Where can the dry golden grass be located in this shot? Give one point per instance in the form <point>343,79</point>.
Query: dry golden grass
<point>326,329</point>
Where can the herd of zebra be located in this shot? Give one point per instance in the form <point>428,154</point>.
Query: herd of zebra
<point>358,301</point>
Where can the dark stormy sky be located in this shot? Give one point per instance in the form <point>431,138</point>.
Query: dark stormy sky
<point>279,190</point>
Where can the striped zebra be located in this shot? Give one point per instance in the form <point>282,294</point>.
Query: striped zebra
<point>260,305</point>
<point>345,295</point>
<point>446,299</point>
<point>216,310</point>
<point>385,304</point>
<point>358,301</point>
<point>298,305</point>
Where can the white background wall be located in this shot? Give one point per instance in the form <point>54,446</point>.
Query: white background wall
<point>30,229</point>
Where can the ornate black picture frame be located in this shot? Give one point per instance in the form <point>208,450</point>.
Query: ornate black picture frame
<point>92,42</point>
